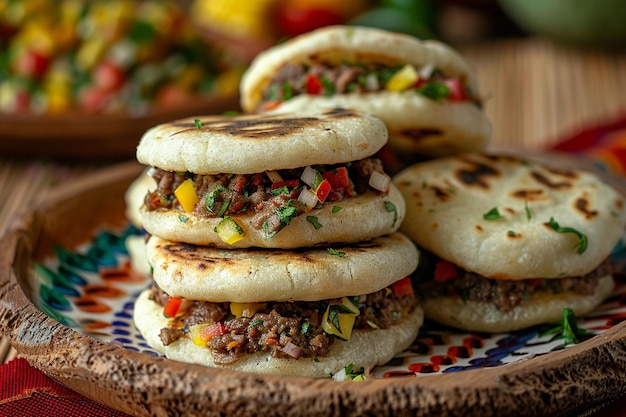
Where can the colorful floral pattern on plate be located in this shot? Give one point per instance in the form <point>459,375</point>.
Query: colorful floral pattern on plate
<point>92,289</point>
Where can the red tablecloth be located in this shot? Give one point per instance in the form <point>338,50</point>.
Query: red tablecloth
<point>27,392</point>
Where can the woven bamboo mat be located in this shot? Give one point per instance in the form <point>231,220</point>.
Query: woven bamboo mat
<point>537,92</point>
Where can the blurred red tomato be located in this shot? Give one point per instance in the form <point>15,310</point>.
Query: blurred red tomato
<point>293,20</point>
<point>108,76</point>
<point>32,64</point>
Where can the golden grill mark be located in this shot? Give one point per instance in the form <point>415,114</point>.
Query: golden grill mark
<point>582,205</point>
<point>260,127</point>
<point>477,175</point>
<point>529,195</point>
<point>562,172</point>
<point>542,179</point>
<point>479,228</point>
<point>441,194</point>
<point>509,210</point>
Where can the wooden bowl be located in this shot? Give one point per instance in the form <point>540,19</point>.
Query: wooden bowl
<point>556,383</point>
<point>75,136</point>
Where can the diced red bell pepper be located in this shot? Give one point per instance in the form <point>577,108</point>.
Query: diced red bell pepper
<point>172,306</point>
<point>215,329</point>
<point>445,271</point>
<point>288,183</point>
<point>323,190</point>
<point>270,105</point>
<point>313,84</point>
<point>402,287</point>
<point>457,93</point>
<point>338,178</point>
<point>258,179</point>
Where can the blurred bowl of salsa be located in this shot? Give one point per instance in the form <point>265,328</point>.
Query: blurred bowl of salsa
<point>95,74</point>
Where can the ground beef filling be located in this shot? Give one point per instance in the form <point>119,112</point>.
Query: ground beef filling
<point>273,203</point>
<point>326,80</point>
<point>284,329</point>
<point>505,294</point>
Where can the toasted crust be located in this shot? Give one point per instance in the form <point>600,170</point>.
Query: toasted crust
<point>219,275</point>
<point>361,218</point>
<point>541,308</point>
<point>338,44</point>
<point>417,125</point>
<point>247,144</point>
<point>364,350</point>
<point>448,198</point>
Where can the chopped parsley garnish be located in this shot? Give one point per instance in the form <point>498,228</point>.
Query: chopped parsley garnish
<point>313,220</point>
<point>492,214</point>
<point>212,197</point>
<point>568,329</point>
<point>434,91</point>
<point>280,190</point>
<point>255,323</point>
<point>528,213</point>
<point>287,91</point>
<point>336,209</point>
<point>329,87</point>
<point>511,233</point>
<point>581,245</point>
<point>286,213</point>
<point>391,208</point>
<point>224,208</point>
<point>335,252</point>
<point>198,123</point>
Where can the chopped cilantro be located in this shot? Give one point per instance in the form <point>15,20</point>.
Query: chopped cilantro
<point>528,213</point>
<point>336,209</point>
<point>183,218</point>
<point>313,220</point>
<point>224,207</point>
<point>335,252</point>
<point>280,190</point>
<point>581,245</point>
<point>287,91</point>
<point>198,123</point>
<point>329,87</point>
<point>568,329</point>
<point>305,327</point>
<point>511,233</point>
<point>434,91</point>
<point>391,208</point>
<point>492,214</point>
<point>286,213</point>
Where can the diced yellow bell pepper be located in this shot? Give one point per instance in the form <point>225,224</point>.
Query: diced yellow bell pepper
<point>245,309</point>
<point>195,333</point>
<point>403,79</point>
<point>229,230</point>
<point>186,195</point>
<point>346,314</point>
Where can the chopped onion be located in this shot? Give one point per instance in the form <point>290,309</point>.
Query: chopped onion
<point>341,375</point>
<point>371,82</point>
<point>274,176</point>
<point>308,176</point>
<point>426,71</point>
<point>379,181</point>
<point>308,198</point>
<point>292,350</point>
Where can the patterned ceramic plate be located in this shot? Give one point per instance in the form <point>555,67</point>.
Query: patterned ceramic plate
<point>92,289</point>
